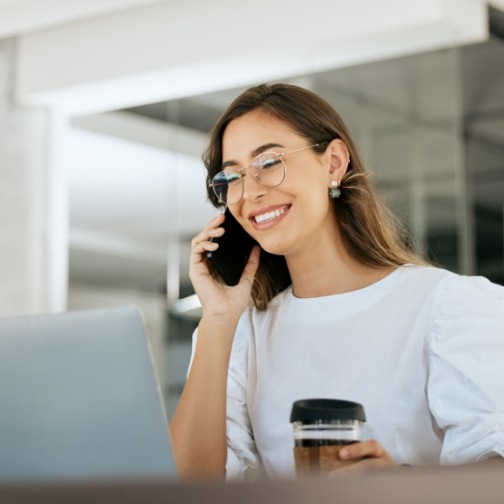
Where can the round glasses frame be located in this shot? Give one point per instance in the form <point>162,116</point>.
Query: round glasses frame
<point>221,181</point>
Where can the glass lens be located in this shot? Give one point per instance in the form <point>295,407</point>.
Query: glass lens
<point>269,169</point>
<point>227,186</point>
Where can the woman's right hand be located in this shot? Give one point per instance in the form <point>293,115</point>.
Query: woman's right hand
<point>217,298</point>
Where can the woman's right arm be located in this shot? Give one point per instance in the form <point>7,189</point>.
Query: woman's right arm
<point>198,429</point>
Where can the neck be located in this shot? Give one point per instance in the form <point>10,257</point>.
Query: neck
<point>327,268</point>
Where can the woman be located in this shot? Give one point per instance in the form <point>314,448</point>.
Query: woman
<point>343,309</point>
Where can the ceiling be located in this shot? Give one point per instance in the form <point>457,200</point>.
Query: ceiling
<point>18,17</point>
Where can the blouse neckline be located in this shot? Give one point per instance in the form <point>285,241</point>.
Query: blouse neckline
<point>349,302</point>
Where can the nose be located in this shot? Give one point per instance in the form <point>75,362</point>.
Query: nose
<point>252,188</point>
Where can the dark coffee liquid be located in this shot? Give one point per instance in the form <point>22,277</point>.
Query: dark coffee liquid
<point>319,455</point>
<point>322,442</point>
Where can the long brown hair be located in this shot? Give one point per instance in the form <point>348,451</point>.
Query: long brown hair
<point>370,231</point>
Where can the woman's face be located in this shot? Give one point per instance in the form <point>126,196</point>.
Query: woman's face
<point>298,213</point>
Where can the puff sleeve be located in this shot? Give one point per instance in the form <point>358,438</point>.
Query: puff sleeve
<point>466,369</point>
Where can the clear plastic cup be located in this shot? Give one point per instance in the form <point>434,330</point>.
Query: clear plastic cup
<point>322,427</point>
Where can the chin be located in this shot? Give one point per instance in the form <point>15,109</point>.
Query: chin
<point>274,248</point>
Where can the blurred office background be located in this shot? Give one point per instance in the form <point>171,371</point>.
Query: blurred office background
<point>105,107</point>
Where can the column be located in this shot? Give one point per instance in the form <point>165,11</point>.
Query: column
<point>33,248</point>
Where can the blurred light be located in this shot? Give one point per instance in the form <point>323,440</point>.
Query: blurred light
<point>187,305</point>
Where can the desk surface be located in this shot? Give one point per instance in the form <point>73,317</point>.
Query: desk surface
<point>461,485</point>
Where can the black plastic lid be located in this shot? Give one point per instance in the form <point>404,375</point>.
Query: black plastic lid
<point>313,410</point>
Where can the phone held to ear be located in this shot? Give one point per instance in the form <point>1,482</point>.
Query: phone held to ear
<point>234,250</point>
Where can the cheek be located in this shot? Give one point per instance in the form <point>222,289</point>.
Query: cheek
<point>315,187</point>
<point>312,176</point>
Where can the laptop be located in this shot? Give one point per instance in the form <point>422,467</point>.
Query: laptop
<point>79,399</point>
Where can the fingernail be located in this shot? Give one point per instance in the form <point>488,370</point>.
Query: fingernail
<point>344,453</point>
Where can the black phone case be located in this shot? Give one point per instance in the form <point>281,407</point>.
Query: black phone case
<point>234,250</point>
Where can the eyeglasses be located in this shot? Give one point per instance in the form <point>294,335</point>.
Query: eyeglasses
<point>268,168</point>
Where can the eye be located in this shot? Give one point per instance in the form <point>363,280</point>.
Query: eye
<point>231,177</point>
<point>225,178</point>
<point>267,161</point>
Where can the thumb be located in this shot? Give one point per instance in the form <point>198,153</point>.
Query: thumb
<point>252,264</point>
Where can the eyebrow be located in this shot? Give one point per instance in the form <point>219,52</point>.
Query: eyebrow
<point>253,154</point>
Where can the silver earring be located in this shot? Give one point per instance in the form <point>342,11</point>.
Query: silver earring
<point>334,191</point>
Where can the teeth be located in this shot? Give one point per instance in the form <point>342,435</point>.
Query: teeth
<point>269,215</point>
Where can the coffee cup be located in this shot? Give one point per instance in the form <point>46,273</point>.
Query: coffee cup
<point>322,427</point>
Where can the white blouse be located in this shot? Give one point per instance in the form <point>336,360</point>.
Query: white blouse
<point>422,350</point>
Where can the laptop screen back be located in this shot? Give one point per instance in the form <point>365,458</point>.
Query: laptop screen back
<point>79,399</point>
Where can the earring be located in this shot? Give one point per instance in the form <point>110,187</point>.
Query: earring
<point>334,191</point>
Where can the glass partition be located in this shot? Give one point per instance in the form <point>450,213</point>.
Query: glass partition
<point>406,115</point>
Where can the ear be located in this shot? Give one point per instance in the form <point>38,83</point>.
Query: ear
<point>339,159</point>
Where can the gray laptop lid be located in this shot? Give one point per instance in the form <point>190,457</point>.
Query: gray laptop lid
<point>79,399</point>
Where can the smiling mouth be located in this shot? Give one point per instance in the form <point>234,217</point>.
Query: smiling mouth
<point>268,216</point>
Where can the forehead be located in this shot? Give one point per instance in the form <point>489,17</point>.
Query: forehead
<point>253,129</point>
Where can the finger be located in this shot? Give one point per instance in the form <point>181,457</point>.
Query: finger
<point>367,464</point>
<point>206,236</point>
<point>252,264</point>
<point>198,254</point>
<point>212,224</point>
<point>215,222</point>
<point>209,234</point>
<point>202,244</point>
<point>363,449</point>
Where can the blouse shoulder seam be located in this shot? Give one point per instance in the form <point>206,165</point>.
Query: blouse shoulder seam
<point>443,291</point>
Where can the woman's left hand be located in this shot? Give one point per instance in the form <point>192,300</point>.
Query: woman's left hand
<point>367,455</point>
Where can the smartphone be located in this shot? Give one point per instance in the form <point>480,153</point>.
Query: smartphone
<point>235,245</point>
